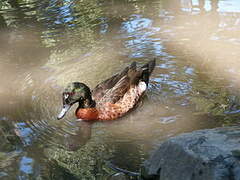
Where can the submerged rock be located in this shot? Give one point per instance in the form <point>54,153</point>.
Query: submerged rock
<point>212,154</point>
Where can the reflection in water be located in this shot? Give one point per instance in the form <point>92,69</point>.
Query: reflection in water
<point>80,137</point>
<point>47,44</point>
<point>26,166</point>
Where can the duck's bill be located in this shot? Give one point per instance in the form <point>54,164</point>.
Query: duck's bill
<point>64,110</point>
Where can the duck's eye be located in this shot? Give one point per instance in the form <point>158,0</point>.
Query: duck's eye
<point>66,95</point>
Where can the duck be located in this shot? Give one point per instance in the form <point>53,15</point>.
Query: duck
<point>110,99</point>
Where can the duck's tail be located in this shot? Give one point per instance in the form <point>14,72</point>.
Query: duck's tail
<point>147,70</point>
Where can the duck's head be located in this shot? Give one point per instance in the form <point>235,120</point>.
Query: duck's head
<point>73,93</point>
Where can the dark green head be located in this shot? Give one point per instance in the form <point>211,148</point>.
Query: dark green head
<point>76,92</point>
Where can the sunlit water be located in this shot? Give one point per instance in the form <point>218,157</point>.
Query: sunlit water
<point>47,44</point>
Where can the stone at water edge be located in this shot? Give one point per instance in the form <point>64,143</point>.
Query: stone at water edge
<point>212,154</point>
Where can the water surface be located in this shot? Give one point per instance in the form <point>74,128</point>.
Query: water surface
<point>47,44</point>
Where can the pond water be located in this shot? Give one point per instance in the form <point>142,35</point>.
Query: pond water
<point>47,44</point>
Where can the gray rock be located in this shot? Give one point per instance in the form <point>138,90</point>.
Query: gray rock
<point>212,154</point>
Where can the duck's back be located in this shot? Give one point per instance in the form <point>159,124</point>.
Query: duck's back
<point>126,89</point>
<point>106,86</point>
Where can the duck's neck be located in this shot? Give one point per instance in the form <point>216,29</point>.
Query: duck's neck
<point>87,103</point>
<point>86,110</point>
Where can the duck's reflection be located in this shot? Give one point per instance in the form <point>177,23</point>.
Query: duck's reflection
<point>81,136</point>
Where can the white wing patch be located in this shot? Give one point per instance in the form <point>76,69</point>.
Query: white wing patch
<point>142,86</point>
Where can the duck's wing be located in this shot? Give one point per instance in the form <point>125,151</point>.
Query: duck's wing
<point>130,79</point>
<point>114,88</point>
<point>116,92</point>
<point>100,90</point>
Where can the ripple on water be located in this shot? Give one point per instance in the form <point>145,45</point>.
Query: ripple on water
<point>170,119</point>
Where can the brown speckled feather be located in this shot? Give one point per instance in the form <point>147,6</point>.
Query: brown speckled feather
<point>114,94</point>
<point>117,81</point>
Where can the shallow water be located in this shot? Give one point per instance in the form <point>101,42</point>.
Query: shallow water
<point>47,44</point>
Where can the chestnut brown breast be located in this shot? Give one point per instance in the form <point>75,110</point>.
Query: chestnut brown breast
<point>87,113</point>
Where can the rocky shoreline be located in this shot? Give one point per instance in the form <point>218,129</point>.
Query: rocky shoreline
<point>211,154</point>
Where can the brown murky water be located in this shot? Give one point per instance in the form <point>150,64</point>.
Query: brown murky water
<point>47,44</point>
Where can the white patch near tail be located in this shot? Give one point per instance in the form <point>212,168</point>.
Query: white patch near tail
<point>142,86</point>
